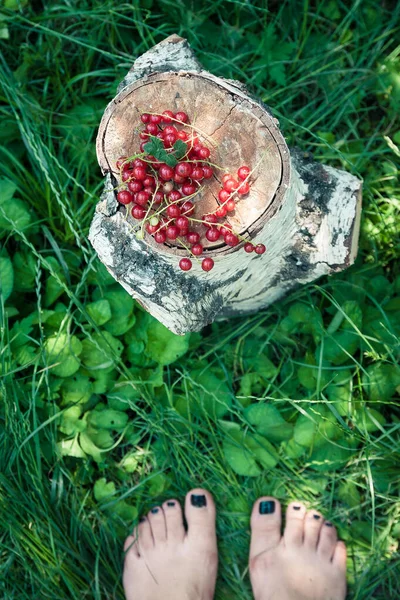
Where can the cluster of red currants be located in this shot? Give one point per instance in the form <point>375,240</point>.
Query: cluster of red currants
<point>161,194</point>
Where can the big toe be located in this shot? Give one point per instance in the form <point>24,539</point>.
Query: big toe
<point>266,520</point>
<point>200,516</point>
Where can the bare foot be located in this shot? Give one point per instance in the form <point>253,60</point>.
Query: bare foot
<point>306,563</point>
<point>163,562</point>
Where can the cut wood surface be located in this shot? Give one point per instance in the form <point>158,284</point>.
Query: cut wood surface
<point>305,213</point>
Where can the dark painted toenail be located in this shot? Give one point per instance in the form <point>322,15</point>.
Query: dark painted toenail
<point>154,511</point>
<point>296,507</point>
<point>317,517</point>
<point>267,507</point>
<point>170,503</point>
<point>198,501</point>
<point>328,524</point>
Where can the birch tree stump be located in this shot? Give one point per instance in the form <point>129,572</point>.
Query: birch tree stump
<point>306,214</point>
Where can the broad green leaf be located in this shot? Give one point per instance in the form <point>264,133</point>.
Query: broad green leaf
<point>240,459</point>
<point>130,463</point>
<point>103,490</point>
<point>71,422</point>
<point>368,419</point>
<point>304,431</point>
<point>340,347</point>
<point>24,271</point>
<point>292,449</point>
<point>25,355</point>
<point>76,389</point>
<point>121,396</point>
<point>262,365</point>
<point>108,419</point>
<point>102,438</point>
<point>14,213</point>
<point>71,448</point>
<point>100,276</point>
<point>53,287</point>
<point>90,448</point>
<point>348,493</point>
<point>6,277</point>
<point>381,380</point>
<point>163,346</point>
<point>121,306</point>
<point>63,351</point>
<point>264,452</point>
<point>103,380</point>
<point>99,311</point>
<point>211,392</point>
<point>331,456</point>
<point>101,352</point>
<point>125,511</point>
<point>158,485</point>
<point>354,315</point>
<point>268,421</point>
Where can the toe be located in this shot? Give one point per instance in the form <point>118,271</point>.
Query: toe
<point>157,522</point>
<point>312,526</point>
<point>145,536</point>
<point>174,520</point>
<point>340,556</point>
<point>131,547</point>
<point>327,540</point>
<point>266,522</point>
<point>200,516</point>
<point>294,527</point>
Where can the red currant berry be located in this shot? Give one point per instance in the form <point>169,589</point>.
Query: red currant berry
<point>169,140</point>
<point>138,162</point>
<point>230,205</point>
<point>145,118</point>
<point>158,197</point>
<point>223,195</point>
<point>207,172</point>
<point>166,172</point>
<point>121,162</point>
<point>193,237</point>
<point>209,219</point>
<point>170,130</point>
<point>213,234</point>
<point>174,195</point>
<point>188,189</point>
<point>203,153</point>
<point>152,228</point>
<point>243,188</point>
<point>167,187</point>
<point>168,115</point>
<point>260,249</point>
<point>152,128</point>
<point>125,197</point>
<point>149,190</point>
<point>142,198</point>
<point>141,146</point>
<point>144,135</point>
<point>139,173</point>
<point>231,239</point>
<point>197,249</point>
<point>127,175</point>
<point>226,177</point>
<point>207,264</point>
<point>243,172</point>
<point>182,223</point>
<point>180,180</point>
<point>135,186</point>
<point>187,208</point>
<point>173,211</point>
<point>155,119</point>
<point>181,117</point>
<point>230,185</point>
<point>172,232</point>
<point>221,212</point>
<point>248,247</point>
<point>226,228</point>
<point>160,237</point>
<point>197,174</point>
<point>182,135</point>
<point>183,169</point>
<point>138,212</point>
<point>149,181</point>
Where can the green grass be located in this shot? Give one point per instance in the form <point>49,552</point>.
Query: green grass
<point>329,352</point>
